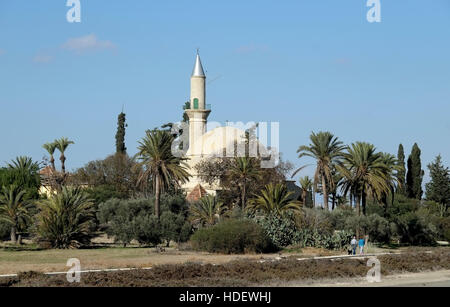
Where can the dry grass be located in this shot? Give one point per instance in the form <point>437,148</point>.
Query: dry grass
<point>12,262</point>
<point>247,272</point>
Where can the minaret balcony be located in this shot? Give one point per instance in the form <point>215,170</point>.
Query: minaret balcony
<point>188,107</point>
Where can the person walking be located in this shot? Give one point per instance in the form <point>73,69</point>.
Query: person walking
<point>361,245</point>
<point>354,244</point>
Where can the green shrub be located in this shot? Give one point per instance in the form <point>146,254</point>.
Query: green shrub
<point>147,229</point>
<point>5,230</point>
<point>174,227</point>
<point>232,237</point>
<point>316,219</point>
<point>376,227</point>
<point>444,227</point>
<point>65,219</point>
<point>313,238</point>
<point>282,231</point>
<point>126,220</point>
<point>102,193</point>
<point>338,217</point>
<point>414,230</point>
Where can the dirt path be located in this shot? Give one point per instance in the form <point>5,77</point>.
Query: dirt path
<point>423,279</point>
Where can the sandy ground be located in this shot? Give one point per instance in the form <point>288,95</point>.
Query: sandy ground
<point>53,260</point>
<point>423,279</point>
<point>56,260</point>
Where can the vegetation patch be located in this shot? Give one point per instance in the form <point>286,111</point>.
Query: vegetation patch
<point>244,272</point>
<point>232,237</point>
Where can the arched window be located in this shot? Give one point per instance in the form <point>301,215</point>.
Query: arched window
<point>195,103</point>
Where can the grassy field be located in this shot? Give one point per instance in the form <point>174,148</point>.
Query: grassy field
<point>13,261</point>
<point>248,272</point>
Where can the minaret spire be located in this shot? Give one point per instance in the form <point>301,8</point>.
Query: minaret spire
<point>198,111</point>
<point>198,68</point>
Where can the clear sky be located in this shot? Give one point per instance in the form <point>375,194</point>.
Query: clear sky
<point>310,65</point>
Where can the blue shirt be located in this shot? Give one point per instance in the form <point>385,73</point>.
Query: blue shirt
<point>361,242</point>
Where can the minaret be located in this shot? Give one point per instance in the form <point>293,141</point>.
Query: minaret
<point>198,112</point>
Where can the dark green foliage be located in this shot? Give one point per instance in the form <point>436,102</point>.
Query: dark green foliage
<point>401,206</point>
<point>5,230</point>
<point>115,176</point>
<point>412,229</point>
<point>65,219</point>
<point>23,173</point>
<point>376,227</point>
<point>126,220</point>
<point>174,227</point>
<point>232,237</point>
<point>401,173</point>
<point>438,189</point>
<point>232,173</point>
<point>444,228</point>
<point>415,174</point>
<point>122,218</point>
<point>147,229</point>
<point>313,238</point>
<point>282,231</point>
<point>102,193</point>
<point>120,135</point>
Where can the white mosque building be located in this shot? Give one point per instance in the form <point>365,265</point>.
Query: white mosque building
<point>207,144</point>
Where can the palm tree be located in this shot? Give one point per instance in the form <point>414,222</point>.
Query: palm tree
<point>274,199</point>
<point>306,185</point>
<point>244,170</point>
<point>337,180</point>
<point>14,209</point>
<point>65,218</point>
<point>51,147</point>
<point>159,164</point>
<point>327,151</point>
<point>25,175</point>
<point>24,165</point>
<point>392,181</point>
<point>61,145</point>
<point>207,211</point>
<point>364,172</point>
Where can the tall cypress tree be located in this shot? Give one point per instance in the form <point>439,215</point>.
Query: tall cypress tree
<point>120,135</point>
<point>401,172</point>
<point>438,189</point>
<point>415,174</point>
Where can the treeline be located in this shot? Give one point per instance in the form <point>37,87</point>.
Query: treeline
<point>139,199</point>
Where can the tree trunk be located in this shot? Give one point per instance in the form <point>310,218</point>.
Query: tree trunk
<point>63,166</point>
<point>325,192</point>
<point>157,196</point>
<point>313,197</point>
<point>52,162</point>
<point>384,200</point>
<point>358,205</point>
<point>19,240</point>
<point>351,199</point>
<point>358,211</point>
<point>304,195</point>
<point>13,235</point>
<point>363,201</point>
<point>243,196</point>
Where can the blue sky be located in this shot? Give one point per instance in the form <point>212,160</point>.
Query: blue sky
<point>310,65</point>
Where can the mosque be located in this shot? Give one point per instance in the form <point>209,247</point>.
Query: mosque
<point>206,144</point>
